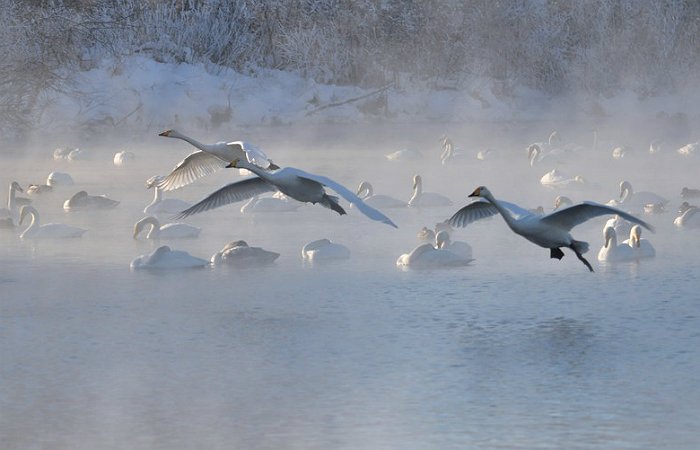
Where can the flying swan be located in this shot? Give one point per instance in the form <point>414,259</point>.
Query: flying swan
<point>295,183</point>
<point>549,231</point>
<point>208,159</point>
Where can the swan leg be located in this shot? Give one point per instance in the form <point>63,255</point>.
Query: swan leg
<point>581,258</point>
<point>556,253</point>
<point>330,202</point>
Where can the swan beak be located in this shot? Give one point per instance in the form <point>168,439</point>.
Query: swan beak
<point>233,164</point>
<point>476,193</point>
<point>165,133</point>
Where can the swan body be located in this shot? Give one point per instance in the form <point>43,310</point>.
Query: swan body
<point>168,231</point>
<point>620,152</point>
<point>690,218</point>
<point>239,254</point>
<point>62,153</point>
<point>366,193</point>
<point>405,154</point>
<point>690,149</point>
<point>426,199</point>
<point>295,183</point>
<point>47,231</point>
<point>556,179</point>
<point>324,250</point>
<point>9,217</point>
<point>81,200</point>
<point>164,258</point>
<point>77,155</point>
<point>208,159</point>
<point>59,179</point>
<point>641,248</point>
<point>611,251</point>
<point>690,193</point>
<point>123,157</point>
<point>443,241</point>
<point>38,189</point>
<point>274,204</point>
<point>550,231</point>
<point>635,201</point>
<point>160,205</point>
<point>425,256</point>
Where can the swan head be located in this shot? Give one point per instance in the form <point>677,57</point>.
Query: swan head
<point>170,133</point>
<point>15,186</point>
<point>139,226</point>
<point>481,191</point>
<point>609,235</point>
<point>532,151</point>
<point>417,181</point>
<point>635,236</point>
<point>442,239</point>
<point>154,181</point>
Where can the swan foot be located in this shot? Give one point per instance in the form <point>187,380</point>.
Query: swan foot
<point>556,253</point>
<point>272,165</point>
<point>582,259</point>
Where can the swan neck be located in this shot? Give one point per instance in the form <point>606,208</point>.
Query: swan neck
<point>194,142</point>
<point>504,212</point>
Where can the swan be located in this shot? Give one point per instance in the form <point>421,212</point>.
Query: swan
<point>561,201</point>
<point>635,201</point>
<point>160,205</point>
<point>324,250</point>
<point>557,179</point>
<point>425,234</point>
<point>123,157</point>
<point>38,189</point>
<point>297,184</point>
<point>641,248</point>
<point>81,200</point>
<point>366,193</point>
<point>549,231</point>
<point>488,154</point>
<point>426,199</point>
<point>690,193</point>
<point>62,153</point>
<point>209,159</point>
<point>77,155</point>
<point>443,241</point>
<point>688,218</point>
<point>9,217</point>
<point>620,152</point>
<point>49,230</point>
<point>685,206</point>
<point>451,155</point>
<point>59,179</point>
<point>690,149</point>
<point>168,231</point>
<point>655,147</point>
<point>405,154</point>
<point>425,256</point>
<point>239,254</point>
<point>611,251</point>
<point>278,202</point>
<point>165,258</point>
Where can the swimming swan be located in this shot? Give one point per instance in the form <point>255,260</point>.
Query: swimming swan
<point>168,231</point>
<point>425,256</point>
<point>81,200</point>
<point>123,157</point>
<point>549,231</point>
<point>556,179</point>
<point>297,184</point>
<point>324,250</point>
<point>160,205</point>
<point>426,199</point>
<point>239,254</point>
<point>443,241</point>
<point>164,258</point>
<point>611,251</point>
<point>59,179</point>
<point>689,218</point>
<point>641,248</point>
<point>209,159</point>
<point>50,230</point>
<point>366,193</point>
<point>9,217</point>
<point>635,201</point>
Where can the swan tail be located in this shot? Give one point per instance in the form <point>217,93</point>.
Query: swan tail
<point>331,202</point>
<point>579,246</point>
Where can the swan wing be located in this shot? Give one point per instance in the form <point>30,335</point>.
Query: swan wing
<point>252,153</point>
<point>348,195</point>
<point>568,218</point>
<point>231,193</point>
<point>481,209</point>
<point>196,165</point>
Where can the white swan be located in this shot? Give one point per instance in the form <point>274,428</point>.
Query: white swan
<point>690,218</point>
<point>9,217</point>
<point>690,149</point>
<point>297,184</point>
<point>611,251</point>
<point>160,205</point>
<point>549,231</point>
<point>406,154</point>
<point>443,241</point>
<point>38,189</point>
<point>164,258</point>
<point>50,230</point>
<point>209,159</point>
<point>59,179</point>
<point>426,199</point>
<point>450,154</point>
<point>635,201</point>
<point>123,157</point>
<point>168,231</point>
<point>366,193</point>
<point>78,155</point>
<point>278,202</point>
<point>81,200</point>
<point>324,250</point>
<point>62,153</point>
<point>425,256</point>
<point>557,179</point>
<point>239,254</point>
<point>641,248</point>
<point>620,152</point>
<point>561,201</point>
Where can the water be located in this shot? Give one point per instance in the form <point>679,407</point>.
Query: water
<point>514,351</point>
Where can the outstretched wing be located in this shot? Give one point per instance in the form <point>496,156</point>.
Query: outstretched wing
<point>568,218</point>
<point>252,153</point>
<point>231,193</point>
<point>196,165</point>
<point>350,196</point>
<point>481,209</point>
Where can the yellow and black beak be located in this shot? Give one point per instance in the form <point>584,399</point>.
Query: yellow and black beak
<point>233,164</point>
<point>165,133</point>
<point>476,193</point>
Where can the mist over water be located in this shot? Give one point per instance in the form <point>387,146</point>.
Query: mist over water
<point>516,350</point>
